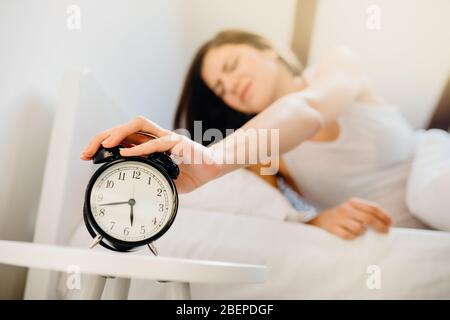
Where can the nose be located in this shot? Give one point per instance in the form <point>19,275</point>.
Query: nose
<point>230,82</point>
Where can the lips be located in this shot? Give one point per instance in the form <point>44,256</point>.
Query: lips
<point>244,92</point>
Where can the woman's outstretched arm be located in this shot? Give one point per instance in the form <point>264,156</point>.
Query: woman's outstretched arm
<point>333,85</point>
<point>296,118</point>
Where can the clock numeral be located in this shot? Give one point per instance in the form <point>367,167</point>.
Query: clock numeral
<point>159,191</point>
<point>102,212</point>
<point>122,176</point>
<point>136,174</point>
<point>149,180</point>
<point>100,197</point>
<point>109,184</point>
<point>126,231</point>
<point>161,207</point>
<point>154,221</point>
<point>142,229</point>
<point>113,223</point>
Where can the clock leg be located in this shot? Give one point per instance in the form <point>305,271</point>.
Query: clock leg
<point>178,290</point>
<point>152,248</point>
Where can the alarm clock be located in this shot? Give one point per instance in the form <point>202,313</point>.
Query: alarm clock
<point>130,201</point>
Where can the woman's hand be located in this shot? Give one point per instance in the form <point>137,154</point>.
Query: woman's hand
<point>193,174</point>
<point>333,84</point>
<point>351,219</point>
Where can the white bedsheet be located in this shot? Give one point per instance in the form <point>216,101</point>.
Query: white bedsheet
<point>304,262</point>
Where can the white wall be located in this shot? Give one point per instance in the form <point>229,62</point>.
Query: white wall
<point>408,59</point>
<point>138,50</point>
<point>203,18</point>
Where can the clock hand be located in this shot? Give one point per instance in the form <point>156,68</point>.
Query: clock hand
<point>131,202</point>
<point>114,203</point>
<point>131,215</point>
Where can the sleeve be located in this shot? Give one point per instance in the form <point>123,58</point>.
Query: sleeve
<point>304,210</point>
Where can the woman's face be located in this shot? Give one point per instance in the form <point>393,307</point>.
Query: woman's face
<point>246,78</point>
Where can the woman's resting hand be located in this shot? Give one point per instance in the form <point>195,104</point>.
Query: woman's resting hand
<point>192,175</point>
<point>351,219</point>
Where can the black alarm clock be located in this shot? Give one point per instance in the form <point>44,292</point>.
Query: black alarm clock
<point>130,201</point>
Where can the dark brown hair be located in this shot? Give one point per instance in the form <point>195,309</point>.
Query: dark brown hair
<point>198,103</point>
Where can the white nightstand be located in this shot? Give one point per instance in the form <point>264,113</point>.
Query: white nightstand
<point>178,273</point>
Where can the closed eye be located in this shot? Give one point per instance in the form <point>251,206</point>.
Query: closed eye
<point>233,65</point>
<point>227,67</point>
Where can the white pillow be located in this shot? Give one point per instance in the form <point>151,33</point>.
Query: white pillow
<point>240,192</point>
<point>429,181</point>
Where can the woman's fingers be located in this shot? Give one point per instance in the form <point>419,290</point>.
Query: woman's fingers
<point>371,208</point>
<point>137,124</point>
<point>112,137</point>
<point>343,232</point>
<point>351,219</point>
<point>354,226</point>
<point>369,215</point>
<point>136,138</point>
<point>94,144</point>
<point>165,143</point>
<point>369,220</point>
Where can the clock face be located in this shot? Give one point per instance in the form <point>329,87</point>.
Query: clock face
<point>131,201</point>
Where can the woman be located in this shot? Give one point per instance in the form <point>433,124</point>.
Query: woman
<point>343,140</point>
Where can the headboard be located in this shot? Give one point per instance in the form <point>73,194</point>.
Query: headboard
<point>83,109</point>
<point>441,117</point>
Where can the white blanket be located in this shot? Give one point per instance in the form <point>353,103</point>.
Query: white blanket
<point>304,262</point>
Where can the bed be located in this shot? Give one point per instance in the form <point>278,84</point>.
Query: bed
<point>237,218</point>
